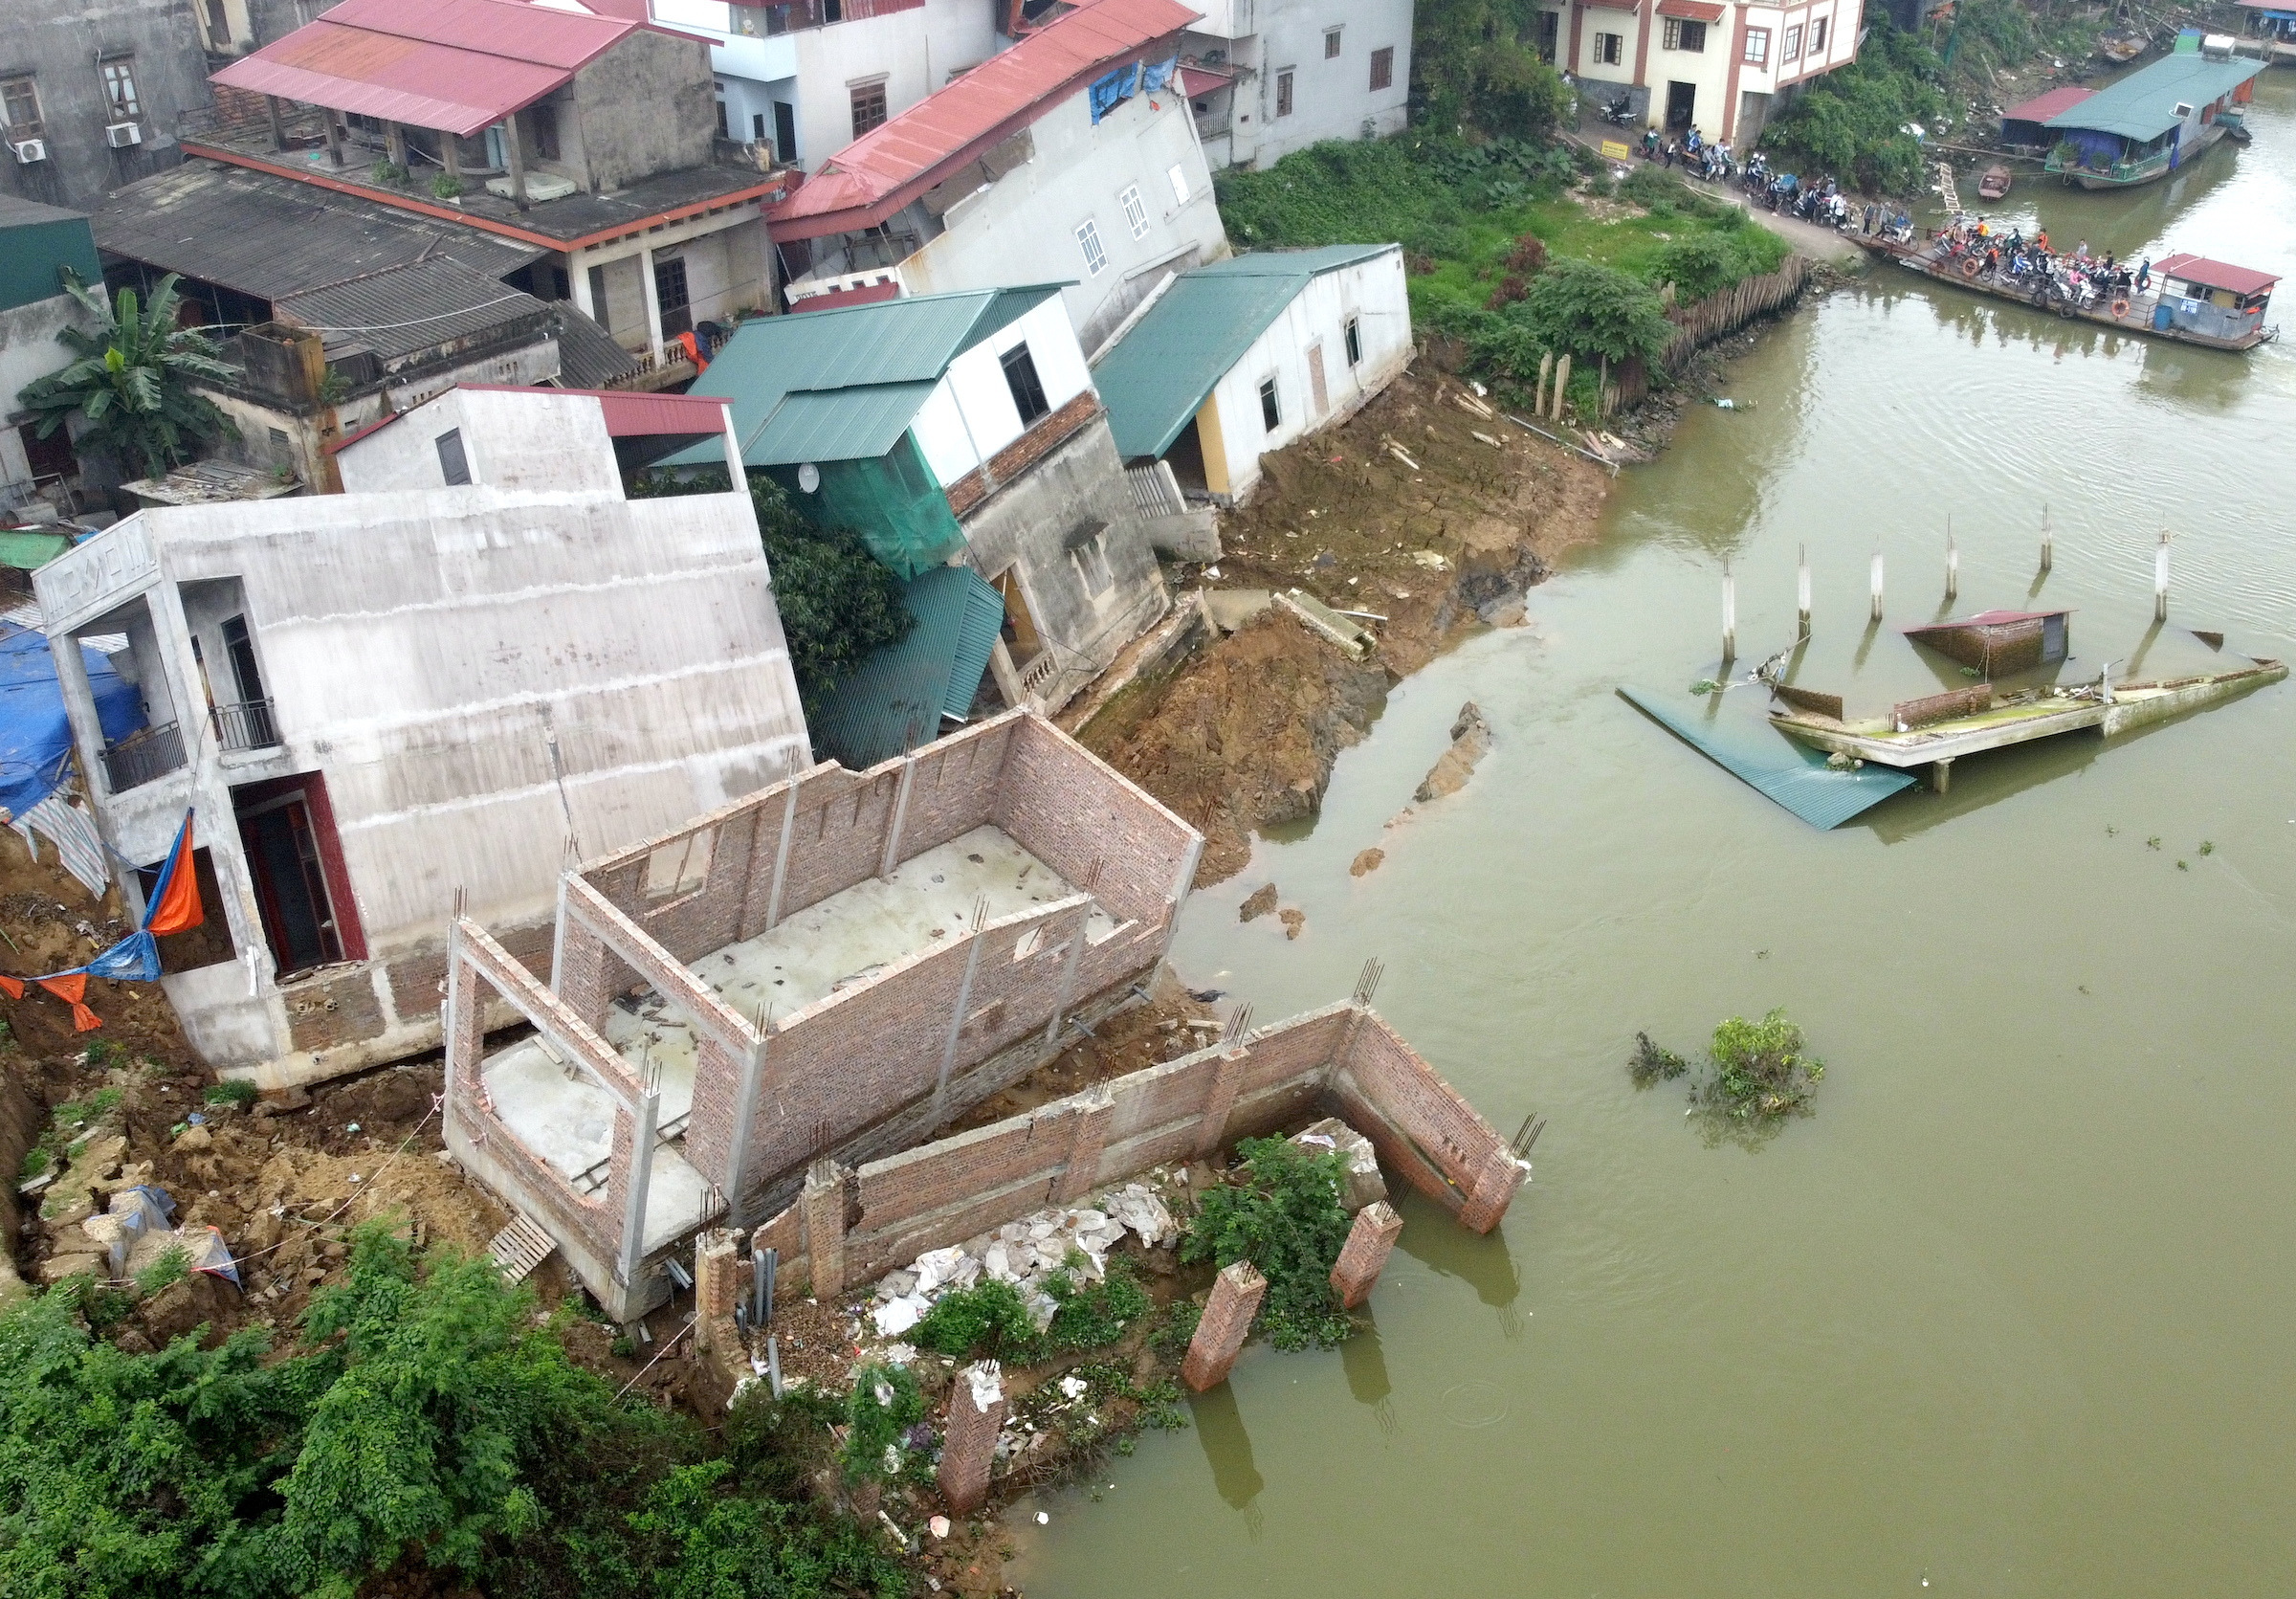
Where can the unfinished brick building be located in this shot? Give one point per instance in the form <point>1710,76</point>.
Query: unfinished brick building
<point>833,965</point>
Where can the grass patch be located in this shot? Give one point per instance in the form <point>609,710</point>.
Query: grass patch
<point>173,1265</point>
<point>235,1091</point>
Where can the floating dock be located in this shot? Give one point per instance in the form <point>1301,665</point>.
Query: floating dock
<point>2188,317</point>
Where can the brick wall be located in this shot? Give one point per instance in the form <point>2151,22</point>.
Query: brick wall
<point>1089,823</point>
<point>955,1188</point>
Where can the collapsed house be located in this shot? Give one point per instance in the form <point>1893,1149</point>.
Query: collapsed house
<point>383,703</point>
<point>831,967</point>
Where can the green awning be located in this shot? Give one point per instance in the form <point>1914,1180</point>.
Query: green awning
<point>2143,105</point>
<point>1793,774</point>
<point>895,700</point>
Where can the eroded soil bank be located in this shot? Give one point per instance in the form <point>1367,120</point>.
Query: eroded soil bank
<point>1430,510</point>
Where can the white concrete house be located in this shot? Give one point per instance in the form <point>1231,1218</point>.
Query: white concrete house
<point>1236,359</point>
<point>1067,156</point>
<point>383,704</point>
<point>806,78</point>
<point>1266,77</point>
<point>1718,65</point>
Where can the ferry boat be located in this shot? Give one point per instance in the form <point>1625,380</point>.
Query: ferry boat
<point>2156,121</point>
<point>2213,305</point>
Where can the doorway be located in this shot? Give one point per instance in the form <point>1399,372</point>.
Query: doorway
<point>295,865</point>
<point>785,130</point>
<point>1682,105</point>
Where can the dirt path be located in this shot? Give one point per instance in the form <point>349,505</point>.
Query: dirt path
<point>1431,514</point>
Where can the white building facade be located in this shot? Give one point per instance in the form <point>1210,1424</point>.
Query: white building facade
<point>1266,77</point>
<point>1716,65</point>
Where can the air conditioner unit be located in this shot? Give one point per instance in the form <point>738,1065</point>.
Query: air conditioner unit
<point>120,135</point>
<point>29,150</point>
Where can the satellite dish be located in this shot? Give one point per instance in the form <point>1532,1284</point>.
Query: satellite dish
<point>808,476</point>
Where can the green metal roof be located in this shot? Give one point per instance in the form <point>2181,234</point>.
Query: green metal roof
<point>2143,105</point>
<point>28,551</point>
<point>1794,775</point>
<point>894,700</point>
<point>851,379</point>
<point>1159,376</point>
<point>38,244</point>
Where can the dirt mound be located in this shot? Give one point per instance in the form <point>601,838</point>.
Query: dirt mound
<point>1415,511</point>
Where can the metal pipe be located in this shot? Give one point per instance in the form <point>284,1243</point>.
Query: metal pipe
<point>757,1287</point>
<point>773,1364</point>
<point>1877,583</point>
<point>773,1270</point>
<point>2049,540</point>
<point>2160,579</point>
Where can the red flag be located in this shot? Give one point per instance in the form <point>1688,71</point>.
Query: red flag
<point>12,986</point>
<point>73,989</point>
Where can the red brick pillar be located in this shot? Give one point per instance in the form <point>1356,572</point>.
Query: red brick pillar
<point>976,1411</point>
<point>1211,1130</point>
<point>1368,1244</point>
<point>716,1284</point>
<point>1082,1174</point>
<point>825,1229</point>
<point>1495,1181</point>
<point>1236,1294</point>
<point>463,1011</point>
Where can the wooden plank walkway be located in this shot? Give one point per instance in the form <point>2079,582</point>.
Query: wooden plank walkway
<point>520,1247</point>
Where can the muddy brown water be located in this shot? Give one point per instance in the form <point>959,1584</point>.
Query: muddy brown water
<point>2016,1311</point>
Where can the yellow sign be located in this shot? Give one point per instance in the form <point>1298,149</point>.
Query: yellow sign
<point>1613,150</point>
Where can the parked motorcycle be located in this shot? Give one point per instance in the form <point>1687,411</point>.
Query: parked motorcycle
<point>1620,112</point>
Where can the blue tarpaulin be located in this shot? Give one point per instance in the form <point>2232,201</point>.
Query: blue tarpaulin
<point>34,734</point>
<point>1793,774</point>
<point>1113,90</point>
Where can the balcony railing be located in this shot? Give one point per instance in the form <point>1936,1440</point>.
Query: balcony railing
<point>246,725</point>
<point>141,756</point>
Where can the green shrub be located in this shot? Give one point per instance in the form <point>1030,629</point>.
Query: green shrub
<point>233,1091</point>
<point>986,1320</point>
<point>1091,1317</point>
<point>1594,311</point>
<point>171,1266</point>
<point>1761,1070</point>
<point>1652,1062</point>
<point>884,1405</point>
<point>1851,122</point>
<point>1287,1218</point>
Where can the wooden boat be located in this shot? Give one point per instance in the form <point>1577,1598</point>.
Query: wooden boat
<point>1995,184</point>
<point>2183,309</point>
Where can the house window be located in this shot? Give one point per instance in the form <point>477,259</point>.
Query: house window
<point>1088,547</point>
<point>1792,50</point>
<point>119,89</point>
<point>1179,185</point>
<point>598,299</point>
<point>1610,48</point>
<point>670,293</point>
<point>1382,67</point>
<point>1028,389</point>
<point>1095,258</point>
<point>219,23</point>
<point>725,128</point>
<point>239,649</point>
<point>1136,213</point>
<point>20,104</point>
<point>1330,44</point>
<point>541,121</point>
<point>1684,36</point>
<point>1758,46</point>
<point>1817,34</point>
<point>869,107</point>
<point>1272,410</point>
<point>452,461</point>
<point>1283,93</point>
<point>1355,341</point>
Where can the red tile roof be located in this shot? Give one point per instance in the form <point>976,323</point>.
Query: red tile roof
<point>884,169</point>
<point>2216,275</point>
<point>460,65</point>
<point>2042,107</point>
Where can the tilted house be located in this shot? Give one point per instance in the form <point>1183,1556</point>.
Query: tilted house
<point>953,431</point>
<point>385,704</point>
<point>1266,77</point>
<point>1245,355</point>
<point>1070,155</point>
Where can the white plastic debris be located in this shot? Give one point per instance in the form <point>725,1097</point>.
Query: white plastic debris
<point>936,1267</point>
<point>986,1379</point>
<point>1043,1520</point>
<point>939,1525</point>
<point>1073,1385</point>
<point>899,1316</point>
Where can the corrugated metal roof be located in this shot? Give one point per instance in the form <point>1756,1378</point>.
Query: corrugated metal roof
<point>2143,105</point>
<point>895,699</point>
<point>2214,275</point>
<point>893,164</point>
<point>455,64</point>
<point>404,309</point>
<point>1793,774</point>
<point>587,356</point>
<point>269,236</point>
<point>893,352</point>
<point>1158,377</point>
<point>2042,107</point>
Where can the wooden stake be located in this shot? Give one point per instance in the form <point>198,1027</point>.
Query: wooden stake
<point>1952,562</point>
<point>2160,579</point>
<point>1730,615</point>
<point>1801,592</point>
<point>1877,583</point>
<point>2049,540</point>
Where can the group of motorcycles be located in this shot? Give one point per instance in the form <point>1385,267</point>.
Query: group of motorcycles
<point>1820,202</point>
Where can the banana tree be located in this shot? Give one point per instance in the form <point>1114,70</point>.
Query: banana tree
<point>132,381</point>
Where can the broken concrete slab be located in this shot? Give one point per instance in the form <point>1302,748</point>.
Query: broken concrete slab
<point>1471,742</point>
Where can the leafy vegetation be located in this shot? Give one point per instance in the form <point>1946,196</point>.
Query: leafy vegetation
<point>170,1267</point>
<point>839,604</point>
<point>990,1321</point>
<point>1854,122</point>
<point>987,1321</point>
<point>885,1404</point>
<point>1287,1218</point>
<point>1653,1062</point>
<point>1762,1069</point>
<point>235,1091</point>
<point>1474,65</point>
<point>131,383</point>
<point>1092,1317</point>
<point>428,1417</point>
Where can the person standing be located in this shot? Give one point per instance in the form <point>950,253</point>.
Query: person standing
<point>2144,275</point>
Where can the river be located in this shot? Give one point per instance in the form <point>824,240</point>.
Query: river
<point>2014,1312</point>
